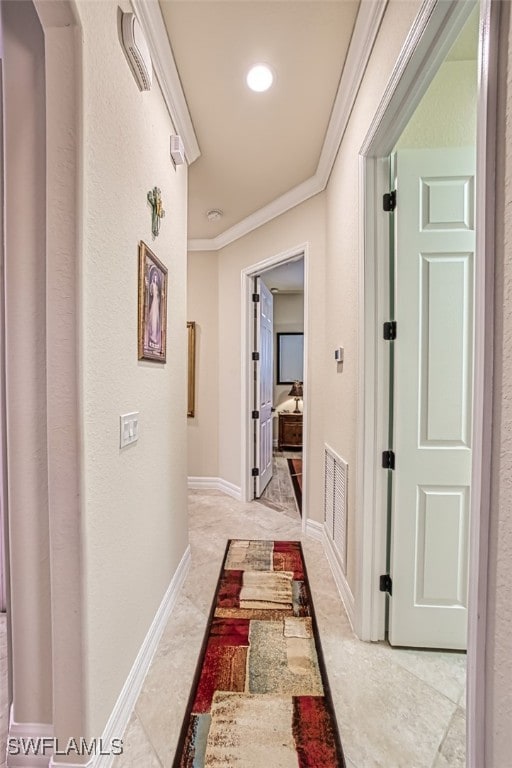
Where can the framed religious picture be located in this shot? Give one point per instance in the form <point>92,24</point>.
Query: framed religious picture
<point>152,306</point>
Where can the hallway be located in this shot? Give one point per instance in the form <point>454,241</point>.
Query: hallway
<point>397,708</point>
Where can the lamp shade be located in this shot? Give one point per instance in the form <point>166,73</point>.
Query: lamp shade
<point>296,390</point>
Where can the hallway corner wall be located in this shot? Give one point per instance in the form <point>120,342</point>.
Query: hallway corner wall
<point>135,498</point>
<point>26,347</point>
<point>498,690</point>
<point>203,308</point>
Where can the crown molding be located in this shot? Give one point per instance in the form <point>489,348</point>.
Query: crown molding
<point>363,38</point>
<point>280,205</point>
<point>365,31</point>
<point>150,17</point>
<point>367,25</point>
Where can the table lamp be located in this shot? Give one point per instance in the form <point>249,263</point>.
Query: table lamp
<point>296,393</point>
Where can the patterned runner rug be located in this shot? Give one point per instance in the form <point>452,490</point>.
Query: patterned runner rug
<point>260,698</point>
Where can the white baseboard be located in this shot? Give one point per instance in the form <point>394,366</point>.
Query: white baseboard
<point>339,577</point>
<point>125,704</point>
<point>215,484</point>
<point>89,764</point>
<point>314,530</point>
<point>22,732</point>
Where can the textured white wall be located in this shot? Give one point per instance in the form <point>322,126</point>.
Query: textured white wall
<point>62,42</point>
<point>446,115</point>
<point>134,517</point>
<point>499,613</point>
<point>203,428</point>
<point>25,273</point>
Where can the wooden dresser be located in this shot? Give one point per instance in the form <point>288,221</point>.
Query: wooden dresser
<point>290,430</point>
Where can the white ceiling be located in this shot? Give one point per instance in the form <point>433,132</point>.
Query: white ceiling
<point>255,147</point>
<point>287,277</point>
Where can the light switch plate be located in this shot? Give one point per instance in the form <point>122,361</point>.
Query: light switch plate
<point>129,428</point>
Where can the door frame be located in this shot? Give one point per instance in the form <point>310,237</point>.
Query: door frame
<point>429,40</point>
<point>4,538</point>
<point>247,275</point>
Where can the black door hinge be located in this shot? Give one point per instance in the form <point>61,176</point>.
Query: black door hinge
<point>386,584</point>
<point>388,459</point>
<point>255,355</point>
<point>389,201</point>
<point>389,331</point>
<point>255,414</point>
<point>255,472</point>
<point>255,297</point>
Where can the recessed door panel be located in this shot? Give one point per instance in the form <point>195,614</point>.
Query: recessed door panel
<point>441,546</point>
<point>447,203</point>
<point>446,291</point>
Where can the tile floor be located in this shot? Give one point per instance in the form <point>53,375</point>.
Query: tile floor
<point>278,494</point>
<point>395,708</point>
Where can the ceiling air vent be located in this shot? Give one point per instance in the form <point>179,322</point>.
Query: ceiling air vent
<point>138,52</point>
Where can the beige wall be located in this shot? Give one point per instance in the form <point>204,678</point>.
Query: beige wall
<point>25,272</point>
<point>499,614</point>
<point>203,308</point>
<point>134,504</point>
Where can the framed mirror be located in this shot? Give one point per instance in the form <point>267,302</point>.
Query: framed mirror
<point>290,357</point>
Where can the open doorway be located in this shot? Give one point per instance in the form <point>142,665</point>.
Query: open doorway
<point>432,250</point>
<point>284,278</point>
<point>286,285</point>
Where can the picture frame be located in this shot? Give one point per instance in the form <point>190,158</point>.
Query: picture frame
<point>152,306</point>
<point>290,357</point>
<point>191,389</point>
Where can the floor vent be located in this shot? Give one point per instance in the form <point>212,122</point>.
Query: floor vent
<point>335,502</point>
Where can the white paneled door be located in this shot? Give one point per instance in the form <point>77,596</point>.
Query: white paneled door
<point>264,326</point>
<point>433,371</point>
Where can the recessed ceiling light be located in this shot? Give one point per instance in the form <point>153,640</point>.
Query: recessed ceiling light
<point>260,78</point>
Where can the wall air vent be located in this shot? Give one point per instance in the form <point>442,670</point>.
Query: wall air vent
<point>137,51</point>
<point>335,502</point>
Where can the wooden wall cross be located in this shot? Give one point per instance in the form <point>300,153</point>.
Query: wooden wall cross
<point>157,211</point>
